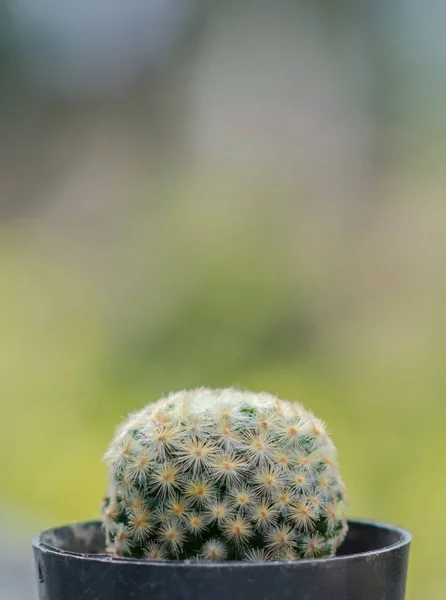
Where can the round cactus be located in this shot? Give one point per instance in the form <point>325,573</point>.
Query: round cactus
<point>220,475</point>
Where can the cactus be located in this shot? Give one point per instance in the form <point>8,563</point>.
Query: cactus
<point>217,475</point>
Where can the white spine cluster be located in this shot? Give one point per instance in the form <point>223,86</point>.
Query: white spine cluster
<point>220,475</point>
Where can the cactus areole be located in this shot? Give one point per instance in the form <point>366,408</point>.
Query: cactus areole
<point>217,475</point>
<point>223,495</point>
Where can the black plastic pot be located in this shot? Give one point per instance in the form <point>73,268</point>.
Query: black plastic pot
<point>370,565</point>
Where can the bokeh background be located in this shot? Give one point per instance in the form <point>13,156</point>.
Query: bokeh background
<point>222,193</point>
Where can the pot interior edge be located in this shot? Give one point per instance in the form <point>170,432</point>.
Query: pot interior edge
<point>85,540</point>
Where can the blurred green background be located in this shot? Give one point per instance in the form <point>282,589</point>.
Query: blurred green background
<point>247,195</point>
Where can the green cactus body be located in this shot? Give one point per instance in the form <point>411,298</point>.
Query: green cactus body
<point>220,475</point>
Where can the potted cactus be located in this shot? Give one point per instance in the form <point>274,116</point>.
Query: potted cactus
<point>223,494</point>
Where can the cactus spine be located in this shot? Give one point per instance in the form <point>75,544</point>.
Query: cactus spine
<point>220,475</point>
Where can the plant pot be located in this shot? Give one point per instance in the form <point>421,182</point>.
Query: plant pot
<point>371,565</point>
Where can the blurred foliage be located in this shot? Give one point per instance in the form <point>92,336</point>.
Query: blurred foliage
<point>78,351</point>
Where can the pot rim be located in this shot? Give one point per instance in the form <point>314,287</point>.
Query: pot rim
<point>404,535</point>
